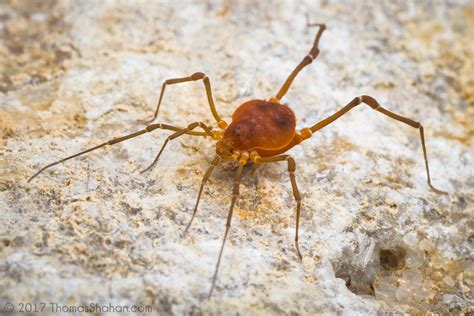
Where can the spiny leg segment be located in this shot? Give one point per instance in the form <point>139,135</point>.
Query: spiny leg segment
<point>308,59</point>
<point>208,173</point>
<point>296,193</point>
<point>376,106</point>
<point>121,139</point>
<point>235,196</point>
<point>193,77</point>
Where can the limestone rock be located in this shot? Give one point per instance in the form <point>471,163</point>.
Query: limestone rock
<point>374,237</point>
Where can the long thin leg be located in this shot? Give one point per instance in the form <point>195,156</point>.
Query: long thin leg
<point>376,106</point>
<point>296,193</point>
<point>308,59</point>
<point>179,133</point>
<point>235,196</point>
<point>208,173</point>
<point>193,77</point>
<point>118,140</point>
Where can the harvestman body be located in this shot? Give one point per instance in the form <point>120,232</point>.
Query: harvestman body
<point>260,131</point>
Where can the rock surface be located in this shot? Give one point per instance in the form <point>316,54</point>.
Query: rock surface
<point>373,235</point>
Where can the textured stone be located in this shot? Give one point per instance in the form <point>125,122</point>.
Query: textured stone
<point>373,235</point>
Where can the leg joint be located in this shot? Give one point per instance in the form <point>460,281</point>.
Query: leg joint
<point>197,75</point>
<point>216,161</point>
<point>152,127</point>
<point>194,125</point>
<point>291,164</point>
<point>222,124</point>
<point>369,101</point>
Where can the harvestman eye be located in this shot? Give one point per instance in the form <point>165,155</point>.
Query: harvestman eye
<point>261,131</point>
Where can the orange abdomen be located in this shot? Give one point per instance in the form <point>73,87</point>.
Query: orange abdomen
<point>260,124</point>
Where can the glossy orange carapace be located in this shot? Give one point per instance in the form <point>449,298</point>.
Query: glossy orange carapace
<point>266,127</point>
<point>260,124</point>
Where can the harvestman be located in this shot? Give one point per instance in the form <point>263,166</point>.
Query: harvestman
<point>260,131</point>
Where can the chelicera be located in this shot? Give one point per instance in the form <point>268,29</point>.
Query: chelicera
<point>261,131</point>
